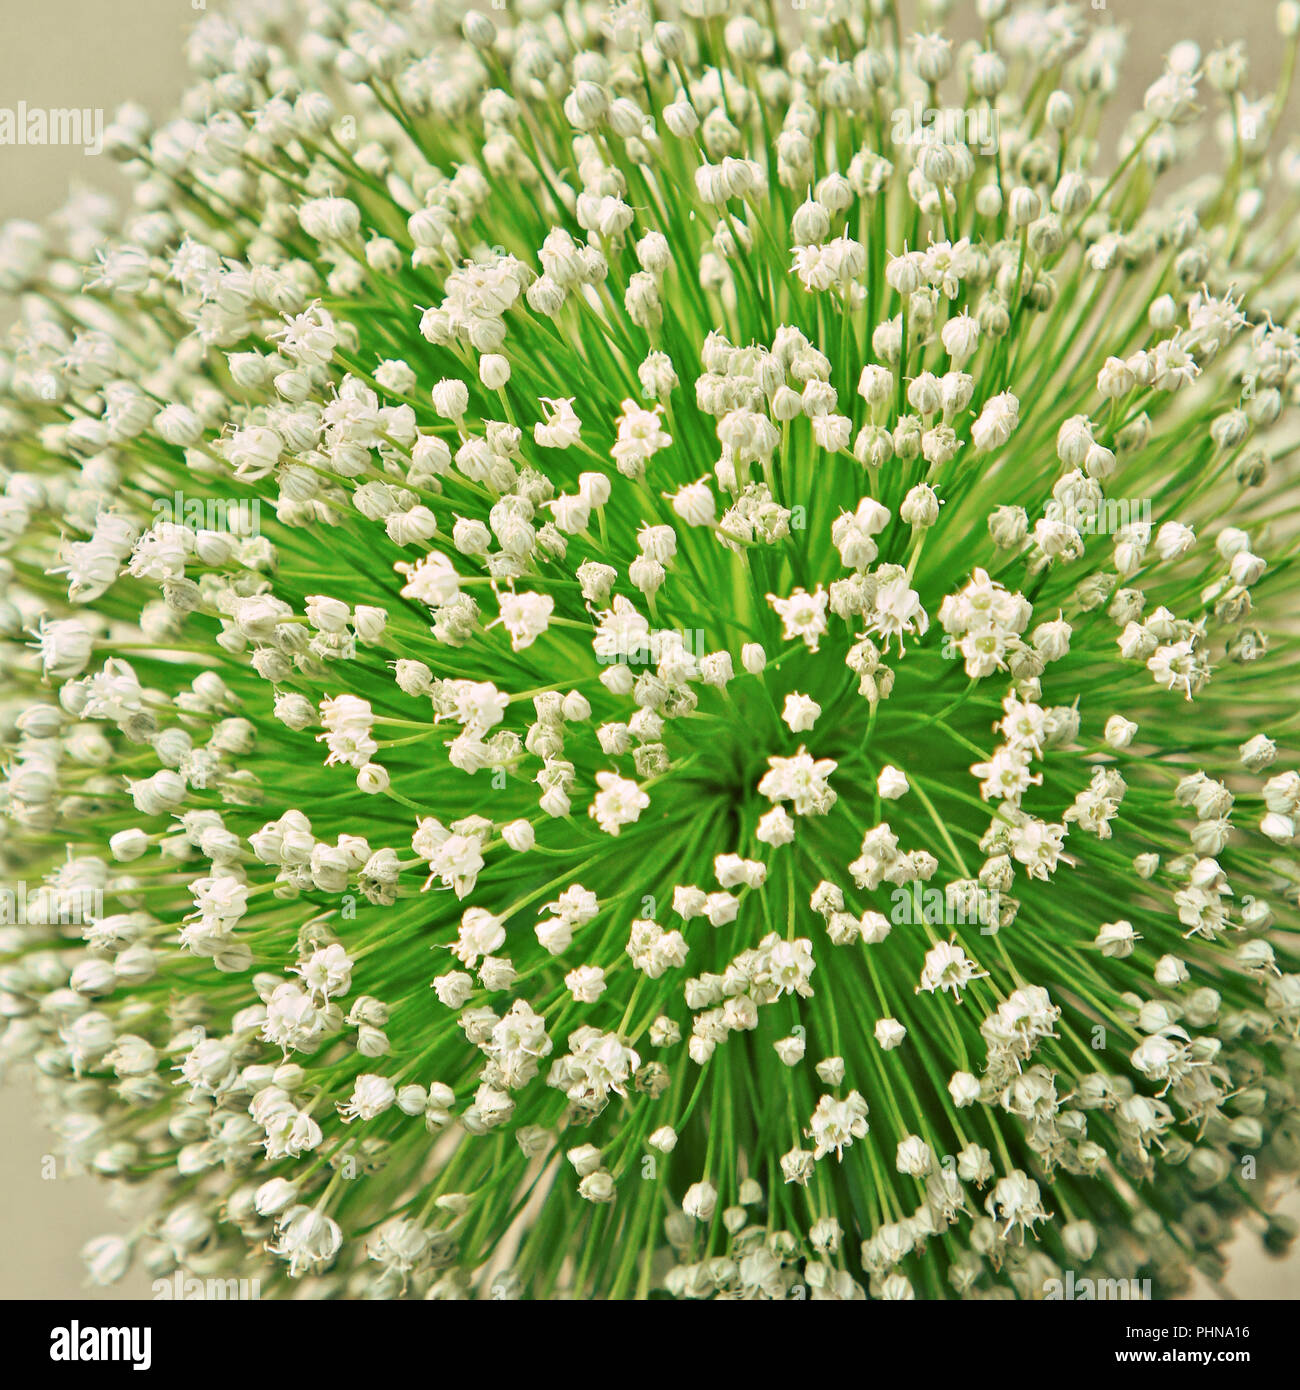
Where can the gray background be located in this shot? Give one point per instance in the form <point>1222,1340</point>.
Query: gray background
<point>85,53</point>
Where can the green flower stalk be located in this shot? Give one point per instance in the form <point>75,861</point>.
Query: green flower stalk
<point>649,653</point>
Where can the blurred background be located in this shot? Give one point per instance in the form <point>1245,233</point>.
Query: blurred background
<point>85,54</point>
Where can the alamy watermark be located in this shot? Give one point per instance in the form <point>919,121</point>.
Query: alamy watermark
<point>44,905</point>
<point>946,125</point>
<point>47,125</point>
<point>240,516</point>
<point>651,649</point>
<point>1097,1290</point>
<point>189,1288</point>
<point>1107,515</point>
<point>915,905</point>
<point>77,1343</point>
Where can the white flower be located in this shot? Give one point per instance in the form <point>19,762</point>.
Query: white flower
<point>519,835</point>
<point>432,580</point>
<point>695,504</point>
<point>1119,731</point>
<point>525,617</point>
<point>801,780</point>
<point>721,908</point>
<point>996,423</point>
<point>1177,665</point>
<point>889,1033</point>
<point>481,934</point>
<point>307,1239</point>
<point>330,219</point>
<point>371,1096</point>
<point>450,398</point>
<point>836,1124</point>
<point>1015,1200</point>
<point>802,615</point>
<point>438,614</point>
<point>618,803</point>
<point>456,863</point>
<point>664,1139</point>
<point>947,968</point>
<point>65,647</point>
<point>788,965</point>
<point>964,1089</point>
<point>640,436</point>
<point>800,712</point>
<point>892,783</point>
<point>586,984</point>
<point>700,1201</point>
<point>561,428</point>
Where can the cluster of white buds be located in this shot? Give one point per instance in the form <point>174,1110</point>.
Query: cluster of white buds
<point>679,437</point>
